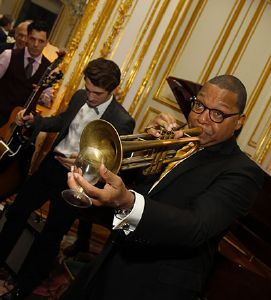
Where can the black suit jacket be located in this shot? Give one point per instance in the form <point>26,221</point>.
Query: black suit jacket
<point>171,251</point>
<point>3,36</point>
<point>60,123</point>
<point>5,46</point>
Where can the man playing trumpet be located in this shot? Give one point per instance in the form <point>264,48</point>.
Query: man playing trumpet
<point>166,231</point>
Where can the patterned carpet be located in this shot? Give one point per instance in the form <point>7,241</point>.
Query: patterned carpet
<point>66,268</point>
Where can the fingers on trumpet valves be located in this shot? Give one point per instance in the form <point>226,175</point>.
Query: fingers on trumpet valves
<point>152,130</point>
<point>159,130</point>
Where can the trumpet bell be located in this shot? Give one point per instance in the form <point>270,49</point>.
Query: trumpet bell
<point>102,135</point>
<point>145,151</point>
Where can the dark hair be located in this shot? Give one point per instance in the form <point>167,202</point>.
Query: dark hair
<point>233,84</point>
<point>39,26</point>
<point>5,20</point>
<point>103,73</point>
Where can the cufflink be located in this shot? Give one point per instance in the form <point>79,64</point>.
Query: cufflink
<point>122,213</point>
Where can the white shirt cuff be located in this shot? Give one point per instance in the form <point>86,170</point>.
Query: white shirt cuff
<point>129,222</point>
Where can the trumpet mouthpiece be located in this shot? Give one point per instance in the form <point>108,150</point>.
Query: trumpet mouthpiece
<point>192,131</point>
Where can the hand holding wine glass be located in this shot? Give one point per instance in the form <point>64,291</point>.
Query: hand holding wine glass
<point>87,164</point>
<point>113,194</point>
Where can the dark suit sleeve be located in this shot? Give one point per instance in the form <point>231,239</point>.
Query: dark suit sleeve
<point>58,122</point>
<point>205,216</point>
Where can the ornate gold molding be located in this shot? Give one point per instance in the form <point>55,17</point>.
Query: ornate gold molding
<point>264,146</point>
<point>139,38</point>
<point>123,11</point>
<point>89,47</point>
<point>247,35</point>
<point>182,9</point>
<point>255,95</point>
<point>221,40</point>
<point>234,40</point>
<point>146,44</point>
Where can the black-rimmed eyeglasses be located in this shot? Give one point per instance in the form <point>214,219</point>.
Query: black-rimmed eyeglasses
<point>215,115</point>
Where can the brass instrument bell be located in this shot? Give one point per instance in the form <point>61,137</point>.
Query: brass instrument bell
<point>148,152</point>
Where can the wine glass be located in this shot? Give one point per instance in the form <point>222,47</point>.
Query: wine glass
<point>87,164</point>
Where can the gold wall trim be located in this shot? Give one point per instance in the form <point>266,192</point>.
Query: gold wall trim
<point>145,48</point>
<point>117,27</point>
<point>119,39</point>
<point>246,38</point>
<point>179,49</point>
<point>234,40</point>
<point>139,37</point>
<point>90,46</point>
<point>255,95</point>
<point>221,40</point>
<point>264,145</point>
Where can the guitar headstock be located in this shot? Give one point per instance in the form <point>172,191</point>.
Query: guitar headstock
<point>57,61</point>
<point>51,79</point>
<point>47,80</point>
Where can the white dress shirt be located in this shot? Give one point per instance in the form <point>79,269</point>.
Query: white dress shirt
<point>70,144</point>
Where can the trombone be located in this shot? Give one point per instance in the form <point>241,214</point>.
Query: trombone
<point>145,151</point>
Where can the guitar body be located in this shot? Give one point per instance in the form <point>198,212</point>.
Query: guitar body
<point>14,171</point>
<point>15,159</point>
<point>6,134</point>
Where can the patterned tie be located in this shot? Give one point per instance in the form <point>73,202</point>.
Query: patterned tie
<point>29,67</point>
<point>183,153</point>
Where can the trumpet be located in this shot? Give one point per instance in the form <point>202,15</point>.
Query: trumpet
<point>145,151</point>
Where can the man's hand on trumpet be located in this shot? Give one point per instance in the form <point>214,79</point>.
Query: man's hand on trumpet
<point>166,121</point>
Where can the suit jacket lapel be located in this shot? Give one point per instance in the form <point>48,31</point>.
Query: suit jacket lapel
<point>197,159</point>
<point>80,101</point>
<point>108,113</point>
<point>188,164</point>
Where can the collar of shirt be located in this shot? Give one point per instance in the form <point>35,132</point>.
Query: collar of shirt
<point>100,109</point>
<point>70,144</point>
<point>37,59</point>
<point>5,57</point>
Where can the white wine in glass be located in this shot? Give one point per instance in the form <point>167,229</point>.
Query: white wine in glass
<point>87,164</point>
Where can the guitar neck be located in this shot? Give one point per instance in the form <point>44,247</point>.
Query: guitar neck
<point>33,100</point>
<point>42,85</point>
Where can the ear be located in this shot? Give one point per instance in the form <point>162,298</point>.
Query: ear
<point>240,122</point>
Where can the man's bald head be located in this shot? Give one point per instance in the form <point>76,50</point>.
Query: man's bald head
<point>20,34</point>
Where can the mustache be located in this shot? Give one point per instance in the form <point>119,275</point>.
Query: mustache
<point>205,129</point>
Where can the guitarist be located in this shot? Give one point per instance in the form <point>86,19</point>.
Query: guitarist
<point>20,69</point>
<point>17,80</point>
